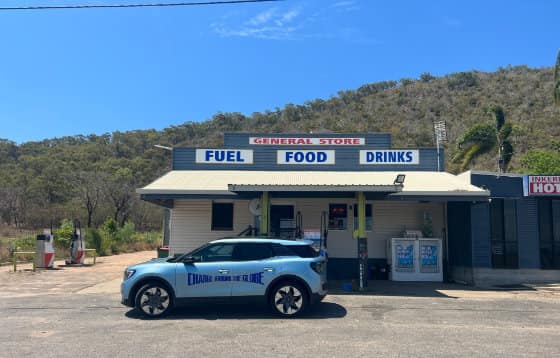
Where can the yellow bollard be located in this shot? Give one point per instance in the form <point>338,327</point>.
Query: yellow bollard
<point>94,253</point>
<point>23,253</point>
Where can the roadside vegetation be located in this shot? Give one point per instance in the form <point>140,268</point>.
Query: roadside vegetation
<point>92,177</point>
<point>107,239</point>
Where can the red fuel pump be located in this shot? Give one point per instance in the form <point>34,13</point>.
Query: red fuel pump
<point>77,246</point>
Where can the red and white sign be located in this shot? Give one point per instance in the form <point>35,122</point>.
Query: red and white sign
<point>542,185</point>
<point>306,141</point>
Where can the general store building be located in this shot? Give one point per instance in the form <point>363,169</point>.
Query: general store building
<point>415,218</point>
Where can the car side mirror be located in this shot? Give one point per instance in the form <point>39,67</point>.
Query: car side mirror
<point>189,260</point>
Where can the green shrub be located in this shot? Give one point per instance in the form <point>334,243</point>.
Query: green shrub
<point>109,231</point>
<point>63,234</point>
<point>125,234</point>
<point>97,241</point>
<point>23,244</point>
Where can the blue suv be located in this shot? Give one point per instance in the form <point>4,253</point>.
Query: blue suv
<point>288,275</point>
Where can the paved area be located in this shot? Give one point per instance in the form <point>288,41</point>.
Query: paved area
<point>75,311</point>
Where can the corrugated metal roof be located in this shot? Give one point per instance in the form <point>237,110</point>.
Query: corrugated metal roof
<point>314,188</point>
<point>222,181</point>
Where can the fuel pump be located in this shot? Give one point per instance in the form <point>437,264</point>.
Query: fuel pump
<point>77,246</point>
<point>44,249</point>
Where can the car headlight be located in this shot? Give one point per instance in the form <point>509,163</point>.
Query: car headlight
<point>128,274</point>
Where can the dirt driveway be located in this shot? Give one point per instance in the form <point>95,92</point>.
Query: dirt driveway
<point>105,276</point>
<point>76,311</point>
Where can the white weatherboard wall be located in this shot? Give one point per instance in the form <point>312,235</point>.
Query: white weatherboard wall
<point>191,222</point>
<point>391,218</point>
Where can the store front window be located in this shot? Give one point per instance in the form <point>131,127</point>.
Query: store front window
<point>338,216</point>
<point>222,216</point>
<point>503,221</point>
<point>549,233</point>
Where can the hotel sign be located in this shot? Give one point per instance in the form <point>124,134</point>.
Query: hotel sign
<point>307,141</point>
<point>541,185</point>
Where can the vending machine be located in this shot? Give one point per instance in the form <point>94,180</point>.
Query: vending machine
<point>416,259</point>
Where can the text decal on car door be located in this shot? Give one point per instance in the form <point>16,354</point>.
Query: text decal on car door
<point>197,279</point>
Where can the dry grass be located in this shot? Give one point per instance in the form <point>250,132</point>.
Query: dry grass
<point>7,231</point>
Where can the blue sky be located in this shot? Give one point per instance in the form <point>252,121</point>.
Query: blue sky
<point>67,72</point>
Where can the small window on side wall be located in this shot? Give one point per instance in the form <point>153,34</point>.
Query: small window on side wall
<point>338,216</point>
<point>222,216</point>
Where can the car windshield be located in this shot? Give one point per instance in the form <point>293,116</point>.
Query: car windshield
<point>179,257</point>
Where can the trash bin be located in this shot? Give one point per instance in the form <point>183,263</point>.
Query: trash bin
<point>379,272</point>
<point>383,272</point>
<point>163,251</point>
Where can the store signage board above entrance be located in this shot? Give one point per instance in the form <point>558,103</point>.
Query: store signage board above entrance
<point>541,185</point>
<point>389,157</point>
<point>224,156</point>
<point>307,141</point>
<point>306,157</point>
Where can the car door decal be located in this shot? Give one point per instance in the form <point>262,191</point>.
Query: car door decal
<point>197,279</point>
<point>194,279</point>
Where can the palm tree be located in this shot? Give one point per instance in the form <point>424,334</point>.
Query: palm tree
<point>483,137</point>
<point>503,130</point>
<point>557,80</point>
<point>479,139</point>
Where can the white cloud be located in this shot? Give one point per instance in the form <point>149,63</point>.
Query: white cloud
<point>270,24</point>
<point>347,5</point>
<point>262,18</point>
<point>278,23</point>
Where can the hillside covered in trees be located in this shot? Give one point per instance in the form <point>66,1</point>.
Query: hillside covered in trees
<point>92,177</point>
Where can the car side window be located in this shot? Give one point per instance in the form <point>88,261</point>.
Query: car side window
<point>252,251</point>
<point>214,253</point>
<point>281,250</point>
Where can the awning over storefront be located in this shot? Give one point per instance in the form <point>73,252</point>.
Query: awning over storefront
<point>418,185</point>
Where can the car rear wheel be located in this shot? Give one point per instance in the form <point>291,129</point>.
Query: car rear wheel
<point>154,300</point>
<point>288,299</point>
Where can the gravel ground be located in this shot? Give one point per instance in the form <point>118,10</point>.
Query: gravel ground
<point>75,311</point>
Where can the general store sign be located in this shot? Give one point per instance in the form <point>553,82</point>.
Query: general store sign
<point>535,185</point>
<point>307,141</point>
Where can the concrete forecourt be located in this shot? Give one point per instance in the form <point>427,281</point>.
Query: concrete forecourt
<point>77,312</point>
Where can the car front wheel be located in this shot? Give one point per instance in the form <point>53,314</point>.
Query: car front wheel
<point>153,300</point>
<point>288,299</point>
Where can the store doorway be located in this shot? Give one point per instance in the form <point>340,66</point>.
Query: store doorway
<point>282,223</point>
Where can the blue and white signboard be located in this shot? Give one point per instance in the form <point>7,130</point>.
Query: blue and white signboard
<point>390,157</point>
<point>224,156</point>
<point>307,157</point>
<point>429,256</point>
<point>405,256</point>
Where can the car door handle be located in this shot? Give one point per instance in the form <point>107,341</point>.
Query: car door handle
<point>268,269</point>
<point>223,271</point>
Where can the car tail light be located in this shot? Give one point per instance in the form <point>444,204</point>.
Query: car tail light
<point>317,266</point>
